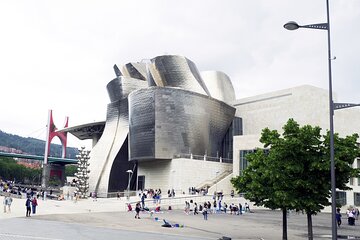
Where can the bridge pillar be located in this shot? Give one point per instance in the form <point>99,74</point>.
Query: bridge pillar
<point>53,171</point>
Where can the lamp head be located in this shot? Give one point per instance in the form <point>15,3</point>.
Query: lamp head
<point>291,25</point>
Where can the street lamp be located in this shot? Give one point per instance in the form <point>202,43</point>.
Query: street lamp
<point>172,180</point>
<point>217,172</point>
<point>326,26</point>
<point>128,186</point>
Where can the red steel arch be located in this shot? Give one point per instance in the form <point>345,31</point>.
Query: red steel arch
<point>51,133</point>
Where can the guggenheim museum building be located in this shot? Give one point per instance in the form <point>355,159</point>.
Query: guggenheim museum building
<point>170,126</point>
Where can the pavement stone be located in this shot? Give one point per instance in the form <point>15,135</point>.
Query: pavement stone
<point>111,215</point>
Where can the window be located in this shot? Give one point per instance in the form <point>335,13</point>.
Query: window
<point>341,198</point>
<point>141,182</point>
<point>358,166</point>
<point>356,199</point>
<point>243,161</point>
<point>351,181</point>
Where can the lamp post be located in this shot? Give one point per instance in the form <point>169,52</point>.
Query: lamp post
<point>326,26</point>
<point>128,186</point>
<point>217,172</point>
<point>172,180</point>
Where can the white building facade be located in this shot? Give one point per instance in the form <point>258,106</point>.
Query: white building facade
<point>306,105</point>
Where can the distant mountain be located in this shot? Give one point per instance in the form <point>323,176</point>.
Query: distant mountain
<point>33,146</point>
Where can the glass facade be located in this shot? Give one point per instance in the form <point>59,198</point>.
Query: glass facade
<point>356,199</point>
<point>235,129</point>
<point>243,161</point>
<point>341,198</point>
<point>358,166</point>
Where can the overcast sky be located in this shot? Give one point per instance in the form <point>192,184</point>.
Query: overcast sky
<point>59,54</point>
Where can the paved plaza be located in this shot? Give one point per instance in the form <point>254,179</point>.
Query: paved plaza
<point>108,219</point>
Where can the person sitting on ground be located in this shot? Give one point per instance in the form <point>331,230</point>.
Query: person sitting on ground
<point>247,207</point>
<point>129,207</point>
<point>231,208</point>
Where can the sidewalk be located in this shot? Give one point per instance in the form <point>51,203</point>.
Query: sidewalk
<point>46,207</point>
<point>111,213</point>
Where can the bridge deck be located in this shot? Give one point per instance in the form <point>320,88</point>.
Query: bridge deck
<point>40,158</point>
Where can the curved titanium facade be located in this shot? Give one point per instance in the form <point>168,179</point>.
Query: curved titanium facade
<point>121,87</point>
<point>135,70</point>
<point>168,121</point>
<point>108,157</point>
<point>219,85</point>
<point>177,71</point>
<point>156,114</point>
<point>104,153</point>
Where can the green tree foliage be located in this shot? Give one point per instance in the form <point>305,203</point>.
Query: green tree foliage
<point>34,146</point>
<point>70,170</point>
<point>295,173</point>
<point>10,170</point>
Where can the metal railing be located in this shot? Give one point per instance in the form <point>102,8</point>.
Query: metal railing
<point>203,158</point>
<point>218,178</point>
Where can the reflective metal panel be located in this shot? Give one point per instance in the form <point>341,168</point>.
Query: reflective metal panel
<point>219,85</point>
<point>169,121</point>
<point>173,112</point>
<point>135,70</point>
<point>104,153</point>
<point>177,71</point>
<point>119,88</point>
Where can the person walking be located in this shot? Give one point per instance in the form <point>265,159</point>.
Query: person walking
<point>143,200</point>
<point>34,205</point>
<point>205,213</point>
<point>351,217</point>
<point>5,203</point>
<point>338,217</point>
<point>195,209</point>
<point>28,206</point>
<point>9,202</point>
<point>137,210</point>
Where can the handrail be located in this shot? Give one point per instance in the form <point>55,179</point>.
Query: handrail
<point>214,180</point>
<point>203,157</point>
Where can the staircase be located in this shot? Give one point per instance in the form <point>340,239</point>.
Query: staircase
<point>211,182</point>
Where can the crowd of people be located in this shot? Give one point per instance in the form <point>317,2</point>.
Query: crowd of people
<point>31,195</point>
<point>352,214</point>
<point>192,207</point>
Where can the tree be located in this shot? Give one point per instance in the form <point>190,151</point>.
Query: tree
<point>11,170</point>
<point>70,170</point>
<point>295,174</point>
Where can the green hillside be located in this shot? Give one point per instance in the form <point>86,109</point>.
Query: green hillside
<point>33,146</point>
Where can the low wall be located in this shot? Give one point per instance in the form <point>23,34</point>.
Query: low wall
<point>180,174</point>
